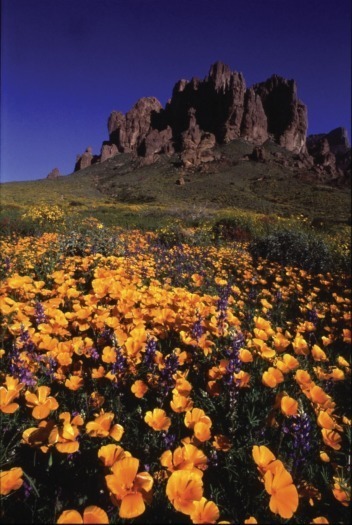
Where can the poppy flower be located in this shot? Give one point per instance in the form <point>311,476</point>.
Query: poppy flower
<point>40,402</point>
<point>74,383</point>
<point>284,495</point>
<point>180,403</point>
<point>331,438</point>
<point>157,419</point>
<point>10,480</point>
<point>129,488</point>
<point>204,511</point>
<point>251,520</point>
<point>6,398</point>
<point>272,377</point>
<point>194,416</point>
<point>289,406</point>
<point>183,488</point>
<point>109,454</point>
<point>320,519</point>
<point>341,492</point>
<point>101,426</point>
<point>318,354</point>
<point>91,514</point>
<point>188,457</point>
<point>64,437</point>
<point>262,456</point>
<point>326,421</point>
<point>139,388</point>
<point>202,431</point>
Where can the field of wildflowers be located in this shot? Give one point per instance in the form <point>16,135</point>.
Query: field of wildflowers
<point>146,378</point>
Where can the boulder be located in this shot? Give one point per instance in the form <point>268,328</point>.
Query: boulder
<point>54,174</point>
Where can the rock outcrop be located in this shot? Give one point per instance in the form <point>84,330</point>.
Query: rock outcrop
<point>286,114</point>
<point>128,131</point>
<point>54,174</point>
<point>331,152</point>
<point>202,114</point>
<point>108,150</point>
<point>197,145</point>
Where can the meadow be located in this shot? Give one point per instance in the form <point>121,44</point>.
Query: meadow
<point>194,372</point>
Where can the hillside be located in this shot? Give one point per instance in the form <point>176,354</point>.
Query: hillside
<point>122,188</point>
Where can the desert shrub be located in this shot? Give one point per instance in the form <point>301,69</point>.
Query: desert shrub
<point>294,247</point>
<point>233,229</point>
<point>90,237</point>
<point>45,214</point>
<point>172,234</point>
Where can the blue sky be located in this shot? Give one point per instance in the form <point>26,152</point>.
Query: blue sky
<point>66,64</point>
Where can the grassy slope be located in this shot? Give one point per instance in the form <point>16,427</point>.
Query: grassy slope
<point>121,188</point>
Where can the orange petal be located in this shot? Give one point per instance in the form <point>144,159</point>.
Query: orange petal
<point>132,505</point>
<point>94,514</point>
<point>70,516</point>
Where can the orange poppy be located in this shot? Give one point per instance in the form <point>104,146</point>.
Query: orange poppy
<point>41,403</point>
<point>331,438</point>
<point>320,519</point>
<point>194,416</point>
<point>109,454</point>
<point>204,511</point>
<point>64,438</point>
<point>10,480</point>
<point>262,457</point>
<point>101,426</point>
<point>272,377</point>
<point>91,514</point>
<point>284,495</point>
<point>157,419</point>
<point>188,457</point>
<point>341,492</point>
<point>129,488</point>
<point>183,488</point>
<point>180,403</point>
<point>6,398</point>
<point>289,406</point>
<point>139,388</point>
<point>74,383</point>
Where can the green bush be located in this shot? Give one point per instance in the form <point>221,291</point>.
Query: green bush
<point>296,248</point>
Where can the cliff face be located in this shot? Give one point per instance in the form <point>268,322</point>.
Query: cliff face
<point>216,110</point>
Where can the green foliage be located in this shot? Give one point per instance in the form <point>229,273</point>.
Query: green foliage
<point>294,247</point>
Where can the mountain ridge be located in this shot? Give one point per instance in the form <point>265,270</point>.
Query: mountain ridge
<point>202,114</point>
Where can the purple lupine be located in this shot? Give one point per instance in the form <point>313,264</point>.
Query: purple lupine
<point>169,439</point>
<point>149,353</point>
<point>313,316</point>
<point>40,316</point>
<point>299,427</point>
<point>120,363</point>
<point>198,329</point>
<point>171,365</point>
<point>94,354</point>
<point>234,364</point>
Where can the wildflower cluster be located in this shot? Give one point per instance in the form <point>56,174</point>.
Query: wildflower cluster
<point>169,384</point>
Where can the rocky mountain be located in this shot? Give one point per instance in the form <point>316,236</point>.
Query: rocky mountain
<point>202,114</point>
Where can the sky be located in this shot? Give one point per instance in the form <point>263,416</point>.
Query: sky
<point>66,64</point>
